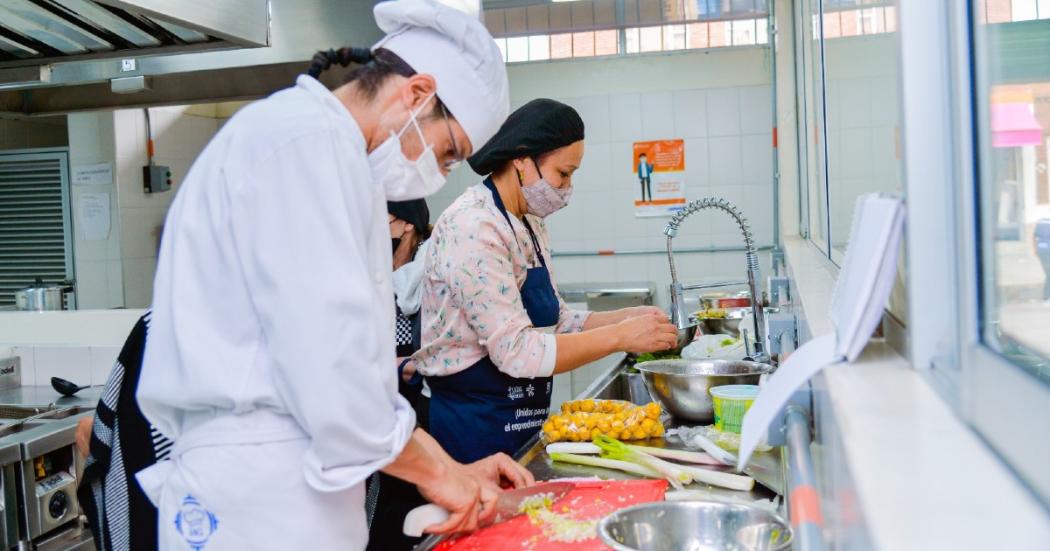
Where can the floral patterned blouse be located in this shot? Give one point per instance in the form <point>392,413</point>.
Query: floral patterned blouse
<point>471,301</point>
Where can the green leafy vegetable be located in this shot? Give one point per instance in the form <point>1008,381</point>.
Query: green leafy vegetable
<point>653,356</point>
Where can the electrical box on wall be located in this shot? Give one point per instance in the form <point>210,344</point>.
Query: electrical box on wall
<point>156,178</point>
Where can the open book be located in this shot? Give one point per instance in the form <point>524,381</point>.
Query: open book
<point>857,303</point>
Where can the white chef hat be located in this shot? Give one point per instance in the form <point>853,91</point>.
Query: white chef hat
<point>458,51</point>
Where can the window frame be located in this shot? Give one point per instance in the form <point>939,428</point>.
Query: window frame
<point>995,397</point>
<point>942,177</point>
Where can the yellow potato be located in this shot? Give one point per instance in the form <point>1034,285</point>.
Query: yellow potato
<point>657,430</point>
<point>647,424</point>
<point>652,409</point>
<point>639,434</point>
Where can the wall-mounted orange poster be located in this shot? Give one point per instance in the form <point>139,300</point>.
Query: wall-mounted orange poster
<point>659,168</point>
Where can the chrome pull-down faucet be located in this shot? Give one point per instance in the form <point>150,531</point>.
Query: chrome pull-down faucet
<point>682,319</point>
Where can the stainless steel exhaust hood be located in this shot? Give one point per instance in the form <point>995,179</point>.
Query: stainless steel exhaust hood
<point>60,56</point>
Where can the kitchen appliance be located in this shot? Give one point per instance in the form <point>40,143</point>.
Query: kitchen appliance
<point>694,525</point>
<point>10,463</point>
<point>40,483</point>
<point>10,372</point>
<point>48,473</point>
<point>41,296</point>
<point>682,386</point>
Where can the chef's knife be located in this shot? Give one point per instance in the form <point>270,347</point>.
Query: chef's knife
<point>508,505</point>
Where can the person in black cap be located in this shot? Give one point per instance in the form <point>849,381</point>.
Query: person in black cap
<point>495,330</point>
<point>388,499</point>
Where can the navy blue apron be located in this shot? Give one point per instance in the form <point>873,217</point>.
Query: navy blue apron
<point>481,410</point>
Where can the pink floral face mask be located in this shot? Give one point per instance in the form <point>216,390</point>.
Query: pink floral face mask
<point>542,199</point>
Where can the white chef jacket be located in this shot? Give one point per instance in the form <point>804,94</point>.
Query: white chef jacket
<point>273,292</point>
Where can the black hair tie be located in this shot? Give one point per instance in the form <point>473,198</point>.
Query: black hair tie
<point>324,59</point>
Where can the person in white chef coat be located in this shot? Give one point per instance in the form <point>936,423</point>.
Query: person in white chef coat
<point>270,358</point>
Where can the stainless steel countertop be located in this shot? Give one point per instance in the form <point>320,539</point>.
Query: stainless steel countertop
<point>765,468</point>
<point>44,395</point>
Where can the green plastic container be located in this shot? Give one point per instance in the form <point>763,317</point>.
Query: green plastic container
<point>731,403</point>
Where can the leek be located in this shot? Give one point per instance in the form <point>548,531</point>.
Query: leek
<point>585,448</point>
<point>614,449</point>
<point>588,448</point>
<point>713,450</point>
<point>613,464</point>
<point>678,455</point>
<point>717,478</point>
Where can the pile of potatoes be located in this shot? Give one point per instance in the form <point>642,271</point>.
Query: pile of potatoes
<point>582,420</point>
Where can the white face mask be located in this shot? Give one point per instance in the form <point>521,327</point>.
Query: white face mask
<point>402,179</point>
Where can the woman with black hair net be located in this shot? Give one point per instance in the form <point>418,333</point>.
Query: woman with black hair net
<point>495,330</point>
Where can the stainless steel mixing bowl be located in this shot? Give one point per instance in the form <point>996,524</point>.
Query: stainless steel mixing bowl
<point>694,526</point>
<point>682,385</point>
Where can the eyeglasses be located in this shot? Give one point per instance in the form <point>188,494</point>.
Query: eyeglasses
<point>457,158</point>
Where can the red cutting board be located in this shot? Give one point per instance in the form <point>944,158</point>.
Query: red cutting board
<point>588,500</point>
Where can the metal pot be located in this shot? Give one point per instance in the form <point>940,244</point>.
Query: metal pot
<point>41,296</point>
<point>694,525</point>
<point>682,386</point>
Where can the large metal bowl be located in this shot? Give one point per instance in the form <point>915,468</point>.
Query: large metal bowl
<point>682,385</point>
<point>694,526</point>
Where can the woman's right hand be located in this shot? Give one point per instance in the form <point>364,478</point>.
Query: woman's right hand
<point>650,332</point>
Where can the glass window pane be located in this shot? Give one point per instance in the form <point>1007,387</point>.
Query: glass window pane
<point>743,32</point>
<point>862,118</point>
<point>561,46</point>
<point>651,39</point>
<point>631,42</point>
<point>719,34</point>
<point>995,11</point>
<point>539,47</point>
<point>1013,103</point>
<point>674,37</point>
<point>696,35</point>
<point>818,211</point>
<point>517,49</point>
<point>1023,10</point>
<point>501,43</point>
<point>762,28</point>
<point>583,44</point>
<point>605,42</point>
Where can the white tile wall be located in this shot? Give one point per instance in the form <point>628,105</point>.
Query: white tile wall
<point>756,110</point>
<point>91,140</point>
<point>28,363</point>
<point>102,360</point>
<point>138,281</point>
<point>625,112</point>
<point>757,151</point>
<point>690,114</point>
<point>72,363</point>
<point>726,162</point>
<point>723,112</point>
<point>658,117</point>
<point>119,271</point>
